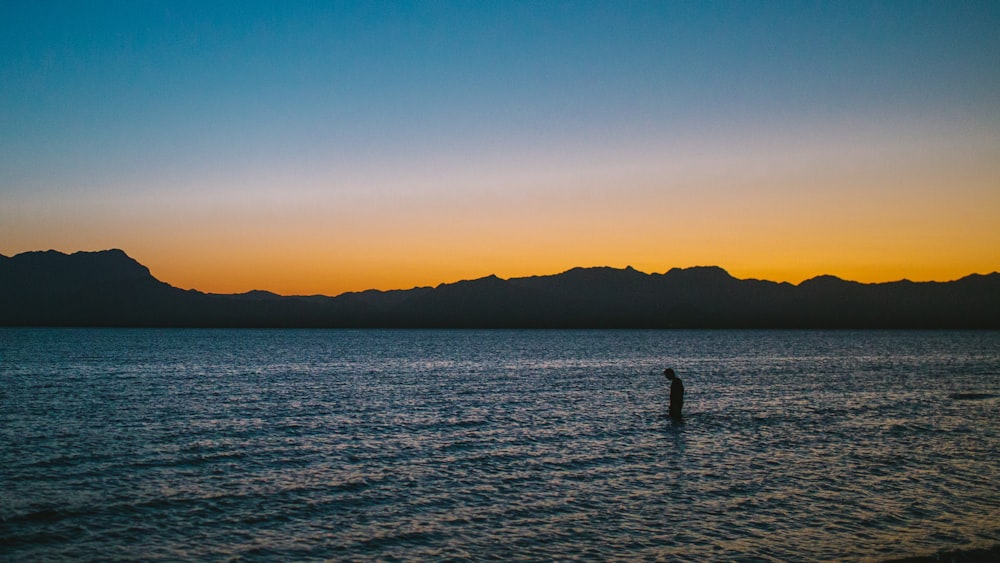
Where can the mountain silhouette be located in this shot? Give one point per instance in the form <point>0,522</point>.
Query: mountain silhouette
<point>108,288</point>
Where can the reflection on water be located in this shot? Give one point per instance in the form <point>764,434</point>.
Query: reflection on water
<point>138,444</point>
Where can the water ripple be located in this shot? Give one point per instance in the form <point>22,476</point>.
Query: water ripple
<point>506,445</point>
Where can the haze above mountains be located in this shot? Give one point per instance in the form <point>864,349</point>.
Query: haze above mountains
<point>109,288</point>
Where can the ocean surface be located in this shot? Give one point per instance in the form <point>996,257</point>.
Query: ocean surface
<point>401,445</point>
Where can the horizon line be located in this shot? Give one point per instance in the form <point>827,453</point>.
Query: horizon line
<point>494,275</point>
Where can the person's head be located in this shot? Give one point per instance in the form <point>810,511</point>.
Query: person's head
<point>669,373</point>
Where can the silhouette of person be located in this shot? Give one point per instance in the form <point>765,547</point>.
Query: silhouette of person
<point>676,393</point>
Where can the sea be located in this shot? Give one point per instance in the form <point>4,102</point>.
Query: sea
<point>511,445</point>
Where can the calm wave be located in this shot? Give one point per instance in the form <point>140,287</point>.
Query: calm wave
<point>532,445</point>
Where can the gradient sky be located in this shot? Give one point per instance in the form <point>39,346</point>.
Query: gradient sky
<point>321,147</point>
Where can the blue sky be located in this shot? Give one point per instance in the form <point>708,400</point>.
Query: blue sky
<point>117,109</point>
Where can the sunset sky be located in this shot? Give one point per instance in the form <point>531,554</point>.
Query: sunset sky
<point>323,147</point>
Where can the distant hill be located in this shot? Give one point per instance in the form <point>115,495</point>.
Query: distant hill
<point>109,288</point>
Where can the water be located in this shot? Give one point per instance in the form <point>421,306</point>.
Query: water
<point>533,445</point>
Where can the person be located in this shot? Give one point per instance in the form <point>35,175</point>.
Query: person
<point>676,393</point>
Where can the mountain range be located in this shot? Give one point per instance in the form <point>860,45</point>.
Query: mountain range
<point>109,288</point>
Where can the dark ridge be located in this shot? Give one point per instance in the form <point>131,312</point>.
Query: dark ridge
<point>109,288</point>
<point>971,396</point>
<point>258,294</point>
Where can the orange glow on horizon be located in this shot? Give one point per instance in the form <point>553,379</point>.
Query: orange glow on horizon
<point>401,263</point>
<point>286,277</point>
<point>775,211</point>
